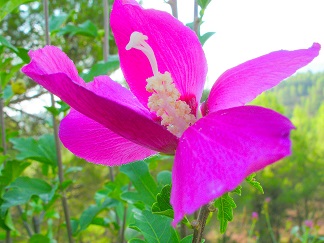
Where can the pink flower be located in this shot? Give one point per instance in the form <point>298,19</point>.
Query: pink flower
<point>268,199</point>
<point>215,146</point>
<point>255,215</point>
<point>309,223</point>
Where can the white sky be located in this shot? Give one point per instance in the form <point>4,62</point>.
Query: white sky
<point>246,29</point>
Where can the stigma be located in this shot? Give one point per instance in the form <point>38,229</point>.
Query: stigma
<point>165,100</point>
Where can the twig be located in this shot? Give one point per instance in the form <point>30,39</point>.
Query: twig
<point>196,18</point>
<point>4,147</point>
<point>106,29</point>
<point>174,7</point>
<point>122,232</point>
<point>199,224</point>
<point>25,223</point>
<point>183,230</point>
<point>26,113</point>
<point>106,54</point>
<point>57,141</point>
<point>27,98</point>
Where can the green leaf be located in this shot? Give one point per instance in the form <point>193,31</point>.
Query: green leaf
<point>164,177</point>
<point>155,228</point>
<point>63,107</point>
<point>21,52</point>
<point>142,180</point>
<point>162,205</point>
<point>203,3</point>
<point>6,222</point>
<point>87,28</point>
<point>56,21</point>
<point>38,238</point>
<point>73,169</point>
<point>7,44</point>
<point>11,171</point>
<point>101,68</point>
<point>8,6</point>
<point>91,212</point>
<point>41,150</point>
<point>253,182</point>
<point>22,189</point>
<point>225,205</point>
<point>187,239</point>
<point>205,37</point>
<point>137,241</point>
<point>238,190</point>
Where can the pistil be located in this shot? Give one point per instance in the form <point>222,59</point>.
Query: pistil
<point>165,99</point>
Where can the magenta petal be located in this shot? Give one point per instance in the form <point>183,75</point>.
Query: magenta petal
<point>221,149</point>
<point>176,47</point>
<point>51,59</point>
<point>109,104</point>
<point>243,83</point>
<point>96,143</point>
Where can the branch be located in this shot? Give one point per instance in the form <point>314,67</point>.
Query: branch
<point>57,140</point>
<point>26,113</point>
<point>174,7</point>
<point>199,224</point>
<point>27,98</point>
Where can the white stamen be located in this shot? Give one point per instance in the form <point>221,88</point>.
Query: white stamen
<point>165,99</point>
<point>138,41</point>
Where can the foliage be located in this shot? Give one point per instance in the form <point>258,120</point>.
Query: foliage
<point>136,203</point>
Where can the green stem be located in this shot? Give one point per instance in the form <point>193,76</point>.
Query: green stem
<point>251,230</point>
<point>305,235</point>
<point>4,146</point>
<point>106,29</point>
<point>273,238</point>
<point>196,18</point>
<point>57,141</point>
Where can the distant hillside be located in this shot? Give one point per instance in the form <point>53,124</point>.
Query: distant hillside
<point>304,89</point>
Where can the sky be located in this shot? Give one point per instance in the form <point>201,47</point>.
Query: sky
<point>246,29</point>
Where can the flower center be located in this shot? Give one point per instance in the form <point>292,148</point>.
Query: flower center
<point>165,99</point>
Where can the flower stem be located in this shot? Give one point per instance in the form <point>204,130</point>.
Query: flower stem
<point>57,141</point>
<point>273,238</point>
<point>251,230</point>
<point>106,29</point>
<point>196,18</point>
<point>199,224</point>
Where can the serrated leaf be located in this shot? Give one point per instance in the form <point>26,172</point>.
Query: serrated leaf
<point>253,182</point>
<point>142,180</point>
<point>238,190</point>
<point>101,68</point>
<point>11,171</point>
<point>162,205</point>
<point>22,189</point>
<point>155,228</point>
<point>225,205</point>
<point>41,150</point>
